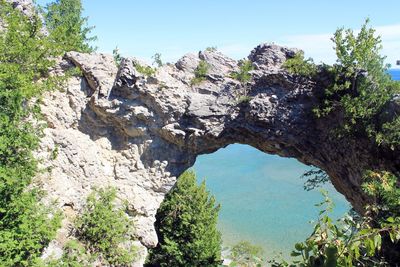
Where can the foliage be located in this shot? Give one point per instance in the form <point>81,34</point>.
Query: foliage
<point>74,255</point>
<point>244,99</point>
<point>117,56</point>
<point>243,76</point>
<point>299,65</point>
<point>211,49</point>
<point>246,254</point>
<point>382,186</point>
<point>157,59</point>
<point>186,226</point>
<point>351,242</point>
<point>361,85</point>
<point>145,70</point>
<point>200,73</point>
<point>68,29</point>
<point>315,178</point>
<point>26,226</point>
<point>105,229</point>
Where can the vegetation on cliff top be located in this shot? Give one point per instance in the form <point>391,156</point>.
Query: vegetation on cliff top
<point>359,86</point>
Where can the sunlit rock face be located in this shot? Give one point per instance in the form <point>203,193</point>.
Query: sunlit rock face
<point>118,127</point>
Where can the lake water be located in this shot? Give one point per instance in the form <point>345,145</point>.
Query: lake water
<point>262,196</point>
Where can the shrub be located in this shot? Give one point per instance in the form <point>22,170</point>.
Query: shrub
<point>246,254</point>
<point>187,227</point>
<point>299,65</point>
<point>243,75</point>
<point>145,70</point>
<point>200,73</point>
<point>351,241</point>
<point>211,49</point>
<point>74,255</point>
<point>105,229</point>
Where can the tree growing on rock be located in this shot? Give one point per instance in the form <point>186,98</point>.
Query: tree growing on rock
<point>187,227</point>
<point>67,27</point>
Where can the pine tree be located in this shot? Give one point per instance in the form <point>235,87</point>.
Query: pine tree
<point>186,226</point>
<point>26,225</point>
<point>67,27</point>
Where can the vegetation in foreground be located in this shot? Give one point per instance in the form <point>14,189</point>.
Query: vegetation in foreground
<point>26,53</point>
<point>103,233</point>
<point>187,227</point>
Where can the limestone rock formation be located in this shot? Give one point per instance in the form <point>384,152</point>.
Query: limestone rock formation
<point>119,127</point>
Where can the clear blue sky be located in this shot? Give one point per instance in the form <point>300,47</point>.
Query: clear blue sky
<point>172,27</point>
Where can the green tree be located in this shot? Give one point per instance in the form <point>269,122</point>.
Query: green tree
<point>157,59</point>
<point>361,85</point>
<point>68,29</point>
<point>26,226</point>
<point>245,254</point>
<point>186,226</point>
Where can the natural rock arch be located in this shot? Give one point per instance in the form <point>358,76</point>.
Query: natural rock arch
<point>119,127</point>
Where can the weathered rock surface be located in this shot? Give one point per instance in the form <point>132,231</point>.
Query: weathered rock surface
<point>121,128</point>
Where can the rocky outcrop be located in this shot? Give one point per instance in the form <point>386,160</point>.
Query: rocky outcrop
<point>138,133</point>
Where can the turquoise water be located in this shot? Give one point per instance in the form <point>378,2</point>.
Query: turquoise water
<point>262,196</point>
<point>395,74</point>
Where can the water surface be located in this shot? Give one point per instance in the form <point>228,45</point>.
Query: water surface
<point>262,197</point>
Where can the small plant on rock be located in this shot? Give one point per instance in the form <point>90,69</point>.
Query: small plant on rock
<point>301,66</point>
<point>243,76</point>
<point>157,60</point>
<point>200,73</point>
<point>117,56</point>
<point>211,49</point>
<point>145,70</point>
<point>105,229</point>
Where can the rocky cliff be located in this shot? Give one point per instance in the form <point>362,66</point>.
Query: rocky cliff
<point>119,127</point>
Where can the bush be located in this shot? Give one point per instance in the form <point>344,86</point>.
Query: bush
<point>200,73</point>
<point>145,70</point>
<point>243,75</point>
<point>187,227</point>
<point>352,241</point>
<point>299,65</point>
<point>74,255</point>
<point>105,229</point>
<point>246,254</point>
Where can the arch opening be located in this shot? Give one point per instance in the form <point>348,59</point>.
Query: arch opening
<point>262,197</point>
